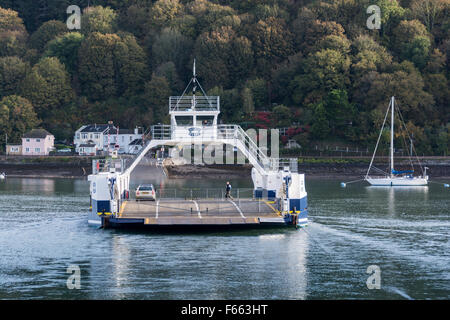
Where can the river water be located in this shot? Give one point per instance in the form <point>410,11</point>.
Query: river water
<point>404,232</point>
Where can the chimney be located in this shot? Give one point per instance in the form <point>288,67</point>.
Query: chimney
<point>136,130</point>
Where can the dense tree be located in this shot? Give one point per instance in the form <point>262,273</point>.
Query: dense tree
<point>13,35</point>
<point>310,31</point>
<point>369,56</point>
<point>98,19</point>
<point>340,113</point>
<point>16,117</point>
<point>405,33</point>
<point>169,71</point>
<point>48,88</point>
<point>258,87</point>
<point>272,41</point>
<point>96,66</point>
<point>391,14</point>
<point>230,104</point>
<point>431,12</point>
<point>65,48</point>
<point>282,115</point>
<point>406,84</point>
<point>12,72</point>
<point>156,93</point>
<point>224,56</point>
<point>163,12</point>
<point>110,65</point>
<point>324,71</point>
<point>208,15</point>
<point>171,45</point>
<point>320,127</point>
<point>131,66</point>
<point>46,32</point>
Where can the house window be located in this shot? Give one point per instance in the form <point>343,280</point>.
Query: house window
<point>131,138</point>
<point>27,149</point>
<point>97,136</point>
<point>28,140</point>
<point>37,150</point>
<point>90,136</point>
<point>14,149</point>
<point>78,136</point>
<point>123,139</point>
<point>84,136</point>
<point>38,140</point>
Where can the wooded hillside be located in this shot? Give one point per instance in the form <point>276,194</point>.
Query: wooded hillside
<point>310,65</point>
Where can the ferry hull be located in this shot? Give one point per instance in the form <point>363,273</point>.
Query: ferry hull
<point>397,182</point>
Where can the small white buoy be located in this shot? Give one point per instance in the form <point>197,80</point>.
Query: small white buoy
<point>343,184</point>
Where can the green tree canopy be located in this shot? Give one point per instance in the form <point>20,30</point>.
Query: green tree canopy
<point>12,72</point>
<point>16,117</point>
<point>65,48</point>
<point>46,32</point>
<point>13,35</point>
<point>47,86</point>
<point>156,94</point>
<point>98,19</point>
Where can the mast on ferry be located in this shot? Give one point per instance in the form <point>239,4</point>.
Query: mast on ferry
<point>392,137</point>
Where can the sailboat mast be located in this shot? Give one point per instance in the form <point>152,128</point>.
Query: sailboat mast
<point>392,136</point>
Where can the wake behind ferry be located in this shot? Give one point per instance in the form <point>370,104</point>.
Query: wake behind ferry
<point>279,196</point>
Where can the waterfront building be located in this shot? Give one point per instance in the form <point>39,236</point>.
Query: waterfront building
<point>37,142</point>
<point>105,137</point>
<point>14,149</point>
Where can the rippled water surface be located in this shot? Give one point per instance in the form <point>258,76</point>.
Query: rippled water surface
<point>404,231</point>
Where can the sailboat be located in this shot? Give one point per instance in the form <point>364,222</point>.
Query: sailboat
<point>393,177</point>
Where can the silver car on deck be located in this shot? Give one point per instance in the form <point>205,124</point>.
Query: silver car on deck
<point>145,192</point>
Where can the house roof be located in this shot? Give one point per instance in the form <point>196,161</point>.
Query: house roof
<point>37,133</point>
<point>136,142</point>
<point>107,128</point>
<point>123,131</point>
<point>97,128</point>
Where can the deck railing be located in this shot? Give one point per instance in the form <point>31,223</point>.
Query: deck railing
<point>108,165</point>
<point>194,103</point>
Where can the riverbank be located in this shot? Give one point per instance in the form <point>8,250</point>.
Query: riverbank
<point>80,167</point>
<point>46,167</point>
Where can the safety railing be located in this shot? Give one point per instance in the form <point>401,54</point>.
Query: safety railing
<point>108,165</point>
<point>194,103</point>
<point>162,132</point>
<point>284,163</point>
<point>205,193</point>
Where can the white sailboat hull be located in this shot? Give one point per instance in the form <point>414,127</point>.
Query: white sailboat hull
<point>398,181</point>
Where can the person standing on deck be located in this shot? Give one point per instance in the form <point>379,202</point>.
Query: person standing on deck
<point>228,191</point>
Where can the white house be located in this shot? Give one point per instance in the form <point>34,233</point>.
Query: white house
<point>105,137</point>
<point>87,149</point>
